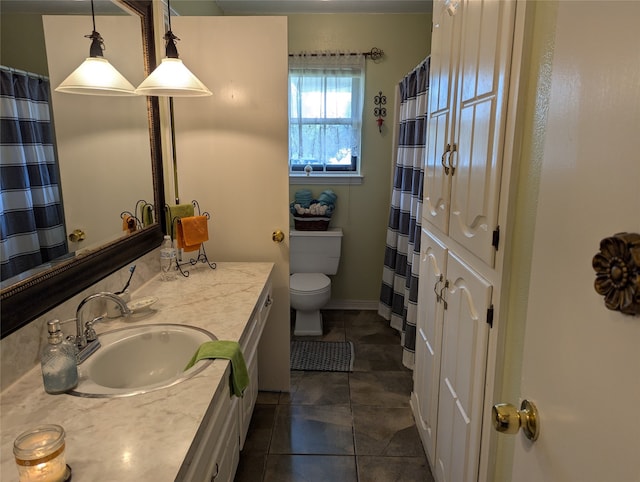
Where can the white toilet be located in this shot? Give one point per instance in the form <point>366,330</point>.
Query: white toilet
<point>313,255</point>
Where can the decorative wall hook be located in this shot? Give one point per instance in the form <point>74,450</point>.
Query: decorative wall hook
<point>617,267</point>
<point>379,111</point>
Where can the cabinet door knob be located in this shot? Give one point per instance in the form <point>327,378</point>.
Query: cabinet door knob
<point>444,154</point>
<point>277,236</point>
<point>454,148</point>
<point>435,288</point>
<point>213,476</point>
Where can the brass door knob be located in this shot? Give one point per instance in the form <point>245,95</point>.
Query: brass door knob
<point>277,236</point>
<point>77,235</point>
<point>508,419</point>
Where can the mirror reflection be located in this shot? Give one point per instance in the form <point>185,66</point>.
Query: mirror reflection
<point>95,183</point>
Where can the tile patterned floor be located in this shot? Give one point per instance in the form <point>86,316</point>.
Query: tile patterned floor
<point>340,427</point>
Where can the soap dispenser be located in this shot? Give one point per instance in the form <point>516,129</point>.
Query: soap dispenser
<point>58,361</point>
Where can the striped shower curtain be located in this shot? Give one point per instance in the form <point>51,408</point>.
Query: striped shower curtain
<point>399,291</point>
<point>32,228</point>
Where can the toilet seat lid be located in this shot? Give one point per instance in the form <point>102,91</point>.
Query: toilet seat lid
<point>309,282</point>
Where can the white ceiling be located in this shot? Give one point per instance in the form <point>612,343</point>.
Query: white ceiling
<point>60,7</point>
<point>229,7</point>
<point>278,7</point>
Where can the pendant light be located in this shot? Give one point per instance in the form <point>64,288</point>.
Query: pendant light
<point>96,76</point>
<point>172,78</point>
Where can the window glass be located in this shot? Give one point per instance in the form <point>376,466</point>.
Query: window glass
<point>325,112</point>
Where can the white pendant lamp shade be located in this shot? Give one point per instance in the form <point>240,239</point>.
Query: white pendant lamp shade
<point>172,78</point>
<point>96,76</point>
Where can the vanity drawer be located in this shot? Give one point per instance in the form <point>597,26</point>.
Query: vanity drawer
<point>248,401</point>
<point>250,350</point>
<point>253,331</point>
<point>221,463</point>
<point>265,302</point>
<point>218,430</point>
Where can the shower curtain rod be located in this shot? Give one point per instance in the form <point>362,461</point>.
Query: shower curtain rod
<point>23,72</point>
<point>374,54</point>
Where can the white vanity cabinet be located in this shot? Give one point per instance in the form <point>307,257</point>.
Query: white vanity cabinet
<point>249,343</point>
<point>189,432</point>
<point>215,451</point>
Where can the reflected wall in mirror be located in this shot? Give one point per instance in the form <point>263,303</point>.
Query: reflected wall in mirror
<point>103,142</point>
<point>90,128</point>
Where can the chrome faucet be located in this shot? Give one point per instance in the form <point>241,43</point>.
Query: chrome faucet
<point>84,347</point>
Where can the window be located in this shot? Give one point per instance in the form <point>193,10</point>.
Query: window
<point>325,113</point>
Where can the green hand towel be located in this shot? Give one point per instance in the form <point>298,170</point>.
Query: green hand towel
<point>177,211</point>
<point>147,215</point>
<point>229,350</point>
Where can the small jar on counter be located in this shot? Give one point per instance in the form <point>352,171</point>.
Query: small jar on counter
<point>39,454</point>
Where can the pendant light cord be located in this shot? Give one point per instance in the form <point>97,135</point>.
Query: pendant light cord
<point>169,13</point>
<point>171,49</point>
<point>93,16</point>
<point>97,43</point>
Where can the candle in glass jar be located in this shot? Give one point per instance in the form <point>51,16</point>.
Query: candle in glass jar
<point>39,454</point>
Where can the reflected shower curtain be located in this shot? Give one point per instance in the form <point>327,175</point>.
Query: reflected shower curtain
<point>399,291</point>
<point>31,217</point>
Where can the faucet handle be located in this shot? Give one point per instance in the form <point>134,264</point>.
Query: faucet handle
<point>89,332</point>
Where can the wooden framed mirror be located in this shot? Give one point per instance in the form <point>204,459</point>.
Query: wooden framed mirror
<point>27,299</point>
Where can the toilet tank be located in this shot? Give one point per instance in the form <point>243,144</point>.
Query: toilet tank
<point>315,251</point>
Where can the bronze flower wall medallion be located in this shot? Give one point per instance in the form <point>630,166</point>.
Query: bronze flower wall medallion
<point>617,268</point>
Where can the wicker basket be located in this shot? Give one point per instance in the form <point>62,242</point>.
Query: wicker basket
<point>311,223</point>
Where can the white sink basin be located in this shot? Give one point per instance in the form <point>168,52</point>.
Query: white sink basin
<point>140,359</point>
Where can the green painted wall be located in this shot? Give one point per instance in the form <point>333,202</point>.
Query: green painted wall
<point>362,211</point>
<point>22,43</point>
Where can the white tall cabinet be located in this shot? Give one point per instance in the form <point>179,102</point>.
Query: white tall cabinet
<point>460,267</point>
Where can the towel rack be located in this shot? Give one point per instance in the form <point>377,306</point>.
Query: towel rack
<point>137,222</point>
<point>202,254</point>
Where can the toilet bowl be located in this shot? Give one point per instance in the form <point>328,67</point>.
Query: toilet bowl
<point>314,255</point>
<point>308,293</point>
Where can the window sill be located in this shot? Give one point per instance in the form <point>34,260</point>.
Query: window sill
<point>351,179</point>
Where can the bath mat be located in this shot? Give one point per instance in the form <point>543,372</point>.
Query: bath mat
<point>323,356</point>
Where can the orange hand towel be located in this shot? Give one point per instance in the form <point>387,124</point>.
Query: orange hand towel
<point>192,232</point>
<point>128,223</point>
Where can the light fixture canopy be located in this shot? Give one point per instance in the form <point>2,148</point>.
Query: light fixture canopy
<point>172,78</point>
<point>96,76</point>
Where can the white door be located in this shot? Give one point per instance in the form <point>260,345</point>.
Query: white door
<point>581,362</point>
<point>465,335</point>
<point>232,155</point>
<point>426,375</point>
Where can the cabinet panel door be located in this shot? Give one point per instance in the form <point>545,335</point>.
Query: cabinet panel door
<point>426,374</point>
<point>435,207</point>
<point>441,108</point>
<point>462,374</point>
<point>485,51</point>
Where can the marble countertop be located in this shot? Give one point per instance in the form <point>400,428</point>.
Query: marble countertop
<point>143,437</point>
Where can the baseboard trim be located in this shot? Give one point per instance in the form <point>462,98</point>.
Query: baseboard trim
<point>352,305</point>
